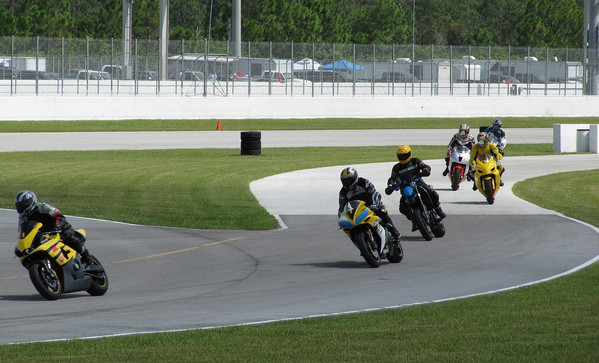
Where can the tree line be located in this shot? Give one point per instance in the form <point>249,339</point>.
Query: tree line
<point>534,23</point>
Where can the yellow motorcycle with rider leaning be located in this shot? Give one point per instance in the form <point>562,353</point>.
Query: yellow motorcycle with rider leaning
<point>55,268</point>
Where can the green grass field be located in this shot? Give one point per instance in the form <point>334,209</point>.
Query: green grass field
<point>121,185</point>
<point>290,124</point>
<point>552,321</point>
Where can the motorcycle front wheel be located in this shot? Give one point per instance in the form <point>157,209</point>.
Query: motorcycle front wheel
<point>489,191</point>
<point>456,179</point>
<point>425,230</point>
<point>368,249</point>
<point>45,280</point>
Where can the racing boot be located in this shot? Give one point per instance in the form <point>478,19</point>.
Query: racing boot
<point>85,256</point>
<point>408,215</point>
<point>446,171</point>
<point>440,212</point>
<point>395,234</point>
<point>474,187</point>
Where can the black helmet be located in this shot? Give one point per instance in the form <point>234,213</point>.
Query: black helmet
<point>25,202</point>
<point>349,176</point>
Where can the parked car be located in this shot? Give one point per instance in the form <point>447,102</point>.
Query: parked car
<point>146,75</point>
<point>93,75</point>
<point>191,76</point>
<point>72,73</point>
<point>28,74</point>
<point>116,72</point>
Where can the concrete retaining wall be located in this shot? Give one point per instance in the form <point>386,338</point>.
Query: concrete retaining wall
<point>197,107</point>
<point>576,138</point>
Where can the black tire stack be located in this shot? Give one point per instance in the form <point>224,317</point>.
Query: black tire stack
<point>251,143</point>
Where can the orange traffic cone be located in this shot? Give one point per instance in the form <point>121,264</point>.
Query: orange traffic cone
<point>218,126</point>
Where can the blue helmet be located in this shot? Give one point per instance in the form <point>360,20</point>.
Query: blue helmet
<point>497,122</point>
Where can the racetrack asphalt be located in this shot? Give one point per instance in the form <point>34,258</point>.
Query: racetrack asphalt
<point>164,279</point>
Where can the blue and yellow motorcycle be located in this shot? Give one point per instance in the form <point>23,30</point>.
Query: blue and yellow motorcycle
<point>366,231</point>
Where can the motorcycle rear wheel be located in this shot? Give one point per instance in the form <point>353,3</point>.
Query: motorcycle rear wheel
<point>397,254</point>
<point>45,280</point>
<point>425,230</point>
<point>368,249</point>
<point>99,284</point>
<point>438,230</point>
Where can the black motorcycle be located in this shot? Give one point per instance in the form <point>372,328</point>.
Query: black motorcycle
<point>420,206</point>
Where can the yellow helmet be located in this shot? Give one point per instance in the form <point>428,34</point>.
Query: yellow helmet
<point>404,154</point>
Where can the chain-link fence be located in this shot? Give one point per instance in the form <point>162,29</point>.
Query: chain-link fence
<point>66,66</point>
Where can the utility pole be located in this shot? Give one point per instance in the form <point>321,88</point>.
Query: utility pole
<point>236,28</point>
<point>590,46</point>
<point>127,34</point>
<point>163,52</point>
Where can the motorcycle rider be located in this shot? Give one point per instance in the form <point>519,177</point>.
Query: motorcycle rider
<point>30,209</point>
<point>417,167</point>
<point>496,130</point>
<point>358,188</point>
<point>461,138</point>
<point>483,146</point>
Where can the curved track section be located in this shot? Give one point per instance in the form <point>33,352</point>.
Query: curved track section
<point>173,279</point>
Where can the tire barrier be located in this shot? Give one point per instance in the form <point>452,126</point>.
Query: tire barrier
<point>251,143</point>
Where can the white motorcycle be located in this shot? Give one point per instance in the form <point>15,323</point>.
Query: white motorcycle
<point>458,166</point>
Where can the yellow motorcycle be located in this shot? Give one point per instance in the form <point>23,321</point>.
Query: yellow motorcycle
<point>486,176</point>
<point>366,231</point>
<point>55,268</point>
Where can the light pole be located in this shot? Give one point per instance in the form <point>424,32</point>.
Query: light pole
<point>163,46</point>
<point>413,41</point>
<point>413,22</point>
<point>591,46</point>
<point>236,28</point>
<point>127,31</point>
